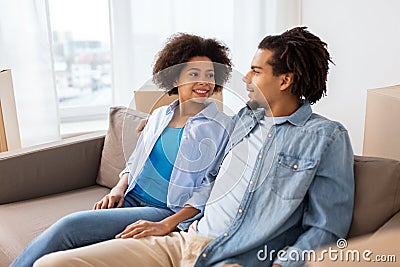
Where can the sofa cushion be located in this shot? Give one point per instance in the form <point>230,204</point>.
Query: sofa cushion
<point>377,193</point>
<point>119,143</point>
<point>23,221</point>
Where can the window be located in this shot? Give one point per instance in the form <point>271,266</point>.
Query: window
<point>82,63</point>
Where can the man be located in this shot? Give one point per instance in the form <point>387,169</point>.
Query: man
<point>285,186</point>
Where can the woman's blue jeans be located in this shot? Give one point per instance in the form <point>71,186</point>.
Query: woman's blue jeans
<point>88,227</point>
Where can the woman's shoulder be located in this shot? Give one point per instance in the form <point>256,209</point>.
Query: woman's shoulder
<point>213,113</point>
<point>217,121</point>
<point>160,111</point>
<point>224,119</point>
<point>165,110</point>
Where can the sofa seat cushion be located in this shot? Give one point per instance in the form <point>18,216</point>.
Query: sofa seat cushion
<point>22,221</point>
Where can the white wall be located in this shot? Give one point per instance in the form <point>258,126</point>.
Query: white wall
<point>271,17</point>
<point>364,40</point>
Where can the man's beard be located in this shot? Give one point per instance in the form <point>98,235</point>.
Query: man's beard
<point>252,104</point>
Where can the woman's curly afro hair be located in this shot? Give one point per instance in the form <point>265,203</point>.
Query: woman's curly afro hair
<point>179,49</point>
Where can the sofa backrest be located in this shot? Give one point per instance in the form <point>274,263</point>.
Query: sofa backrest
<point>119,144</point>
<point>377,193</point>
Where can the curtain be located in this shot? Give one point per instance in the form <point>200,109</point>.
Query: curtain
<point>25,48</point>
<point>140,28</point>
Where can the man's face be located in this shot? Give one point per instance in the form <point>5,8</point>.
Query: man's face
<point>264,88</point>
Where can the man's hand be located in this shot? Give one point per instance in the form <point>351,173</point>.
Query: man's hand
<point>144,228</point>
<point>141,126</point>
<point>115,197</point>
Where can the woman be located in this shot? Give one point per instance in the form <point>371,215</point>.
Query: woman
<point>168,177</point>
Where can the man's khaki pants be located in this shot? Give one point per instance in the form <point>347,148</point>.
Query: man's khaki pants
<point>175,249</point>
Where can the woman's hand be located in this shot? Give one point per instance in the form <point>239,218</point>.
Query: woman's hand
<point>112,199</point>
<point>144,228</point>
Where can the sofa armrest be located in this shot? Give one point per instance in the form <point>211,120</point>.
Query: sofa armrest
<point>393,223</point>
<point>366,250</point>
<point>50,168</point>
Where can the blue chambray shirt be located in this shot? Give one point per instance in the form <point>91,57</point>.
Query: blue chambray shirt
<point>300,195</point>
<point>198,159</point>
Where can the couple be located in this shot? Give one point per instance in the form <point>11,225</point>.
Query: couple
<point>275,177</point>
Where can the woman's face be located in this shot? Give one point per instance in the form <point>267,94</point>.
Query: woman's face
<point>196,81</point>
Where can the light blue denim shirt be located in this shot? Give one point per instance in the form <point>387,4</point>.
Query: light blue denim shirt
<point>198,158</point>
<point>300,195</point>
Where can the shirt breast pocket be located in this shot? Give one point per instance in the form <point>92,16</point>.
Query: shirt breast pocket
<point>293,176</point>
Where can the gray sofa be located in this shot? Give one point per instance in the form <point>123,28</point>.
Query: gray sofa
<point>39,185</point>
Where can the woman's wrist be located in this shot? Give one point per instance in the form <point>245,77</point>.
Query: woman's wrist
<point>122,183</point>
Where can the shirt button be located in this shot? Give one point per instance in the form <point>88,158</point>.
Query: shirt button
<point>225,234</point>
<point>251,182</point>
<point>260,156</point>
<point>204,255</point>
<point>240,210</point>
<point>270,135</point>
<point>295,166</point>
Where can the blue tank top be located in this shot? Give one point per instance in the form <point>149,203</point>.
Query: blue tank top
<point>153,181</point>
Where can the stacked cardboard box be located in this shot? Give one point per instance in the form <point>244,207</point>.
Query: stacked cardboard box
<point>382,123</point>
<point>9,130</point>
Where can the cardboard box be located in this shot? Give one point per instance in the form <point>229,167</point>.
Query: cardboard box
<point>148,100</point>
<point>3,140</point>
<point>382,123</point>
<point>9,129</point>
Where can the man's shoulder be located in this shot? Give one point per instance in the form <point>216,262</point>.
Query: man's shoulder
<point>321,125</point>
